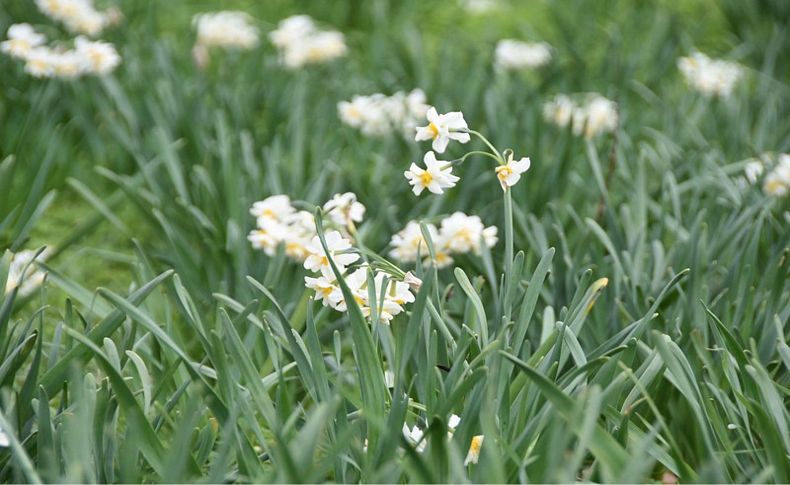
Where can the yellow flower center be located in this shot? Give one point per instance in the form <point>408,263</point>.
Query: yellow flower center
<point>326,291</point>
<point>324,261</point>
<point>773,186</point>
<point>477,443</point>
<point>503,172</point>
<point>426,178</point>
<point>434,130</point>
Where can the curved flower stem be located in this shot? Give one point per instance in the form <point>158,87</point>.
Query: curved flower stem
<point>489,145</point>
<point>477,152</point>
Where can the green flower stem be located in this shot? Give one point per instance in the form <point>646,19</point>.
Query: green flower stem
<point>508,232</point>
<point>489,145</point>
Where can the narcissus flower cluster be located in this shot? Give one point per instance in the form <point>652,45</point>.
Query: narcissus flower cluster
<point>437,175</point>
<point>594,116</point>
<point>516,55</point>
<point>87,57</point>
<point>773,170</point>
<point>711,77</point>
<point>379,115</point>
<point>300,42</point>
<point>226,29</point>
<point>78,16</point>
<point>416,437</point>
<point>457,234</point>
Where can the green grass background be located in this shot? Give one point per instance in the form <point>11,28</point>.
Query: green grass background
<point>154,169</point>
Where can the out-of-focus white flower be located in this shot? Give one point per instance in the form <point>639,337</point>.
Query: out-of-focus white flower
<point>753,170</point>
<point>380,115</point>
<point>711,77</point>
<point>479,6</point>
<point>40,62</point>
<point>344,209</point>
<point>22,39</point>
<point>598,115</point>
<point>389,379</point>
<point>301,43</point>
<point>461,233</point>
<point>226,29</point>
<point>559,111</point>
<point>777,182</point>
<point>32,278</point>
<point>318,260</point>
<point>414,436</point>
<point>453,422</point>
<point>443,128</point>
<point>267,236</point>
<point>292,30</point>
<point>436,176</point>
<point>408,243</point>
<point>4,441</point>
<point>510,173</point>
<point>473,455</point>
<point>514,54</point>
<point>97,57</point>
<point>79,16</point>
<point>275,207</point>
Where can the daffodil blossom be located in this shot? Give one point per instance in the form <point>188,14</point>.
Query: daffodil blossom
<point>436,176</point>
<point>777,182</point>
<point>326,291</point>
<point>443,128</point>
<point>510,173</point>
<point>473,455</point>
<point>21,40</point>
<point>344,209</point>
<point>318,259</point>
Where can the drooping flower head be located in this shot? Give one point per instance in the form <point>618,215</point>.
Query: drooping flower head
<point>510,173</point>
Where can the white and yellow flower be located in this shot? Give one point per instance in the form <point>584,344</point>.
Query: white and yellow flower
<point>338,247</point>
<point>79,16</point>
<point>443,128</point>
<point>559,111</point>
<point>473,455</point>
<point>25,280</point>
<point>409,243</point>
<point>300,42</point>
<point>226,29</point>
<point>275,207</point>
<point>344,209</point>
<point>97,57</point>
<point>461,233</point>
<point>22,39</point>
<point>711,77</point>
<point>510,173</point>
<point>436,176</point>
<point>777,182</point>
<point>513,54</point>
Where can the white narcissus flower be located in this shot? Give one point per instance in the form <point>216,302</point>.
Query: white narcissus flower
<point>344,209</point>
<point>777,182</point>
<point>711,77</point>
<point>559,111</point>
<point>267,236</point>
<point>753,170</point>
<point>513,54</point>
<point>275,207</point>
<point>78,16</point>
<point>378,115</point>
<point>461,233</point>
<point>318,260</point>
<point>510,173</point>
<point>408,243</point>
<point>68,64</point>
<point>437,175</point>
<point>443,128</point>
<point>40,62</point>
<point>414,436</point>
<point>21,40</point>
<point>473,455</point>
<point>4,441</point>
<point>98,57</point>
<point>326,291</point>
<point>301,43</point>
<point>226,29</point>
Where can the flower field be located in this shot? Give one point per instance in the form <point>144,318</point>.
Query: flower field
<point>394,241</point>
